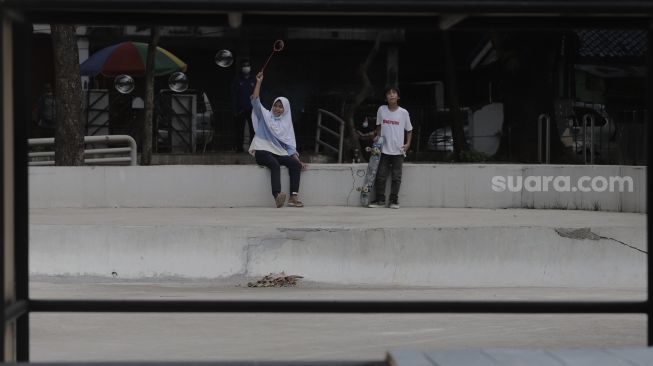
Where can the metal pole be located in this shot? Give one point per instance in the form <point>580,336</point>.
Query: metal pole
<point>399,306</point>
<point>317,136</point>
<point>543,117</point>
<point>419,129</point>
<point>509,142</point>
<point>591,139</point>
<point>341,142</point>
<point>601,137</point>
<point>22,72</point>
<point>649,186</point>
<point>585,138</point>
<point>588,118</point>
<point>548,139</point>
<point>539,138</point>
<point>4,105</point>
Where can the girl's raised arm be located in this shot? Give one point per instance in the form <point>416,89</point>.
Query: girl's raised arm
<point>257,88</point>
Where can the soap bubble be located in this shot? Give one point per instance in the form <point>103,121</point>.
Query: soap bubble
<point>178,82</point>
<point>124,84</point>
<point>224,58</point>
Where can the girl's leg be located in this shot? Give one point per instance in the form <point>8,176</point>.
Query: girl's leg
<point>294,172</point>
<point>268,159</point>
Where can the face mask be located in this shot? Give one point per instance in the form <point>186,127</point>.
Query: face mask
<point>246,69</point>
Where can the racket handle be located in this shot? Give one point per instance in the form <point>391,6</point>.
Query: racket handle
<point>266,62</point>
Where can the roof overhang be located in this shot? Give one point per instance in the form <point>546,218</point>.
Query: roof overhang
<point>431,14</point>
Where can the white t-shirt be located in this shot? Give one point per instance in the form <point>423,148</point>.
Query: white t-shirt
<point>393,124</point>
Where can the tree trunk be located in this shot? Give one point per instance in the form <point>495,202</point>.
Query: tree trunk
<point>146,149</point>
<point>351,136</point>
<point>70,121</point>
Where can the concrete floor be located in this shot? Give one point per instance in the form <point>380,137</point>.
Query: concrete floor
<point>267,337</point>
<point>220,337</point>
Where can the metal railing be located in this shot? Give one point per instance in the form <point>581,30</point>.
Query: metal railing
<point>340,135</point>
<point>47,157</point>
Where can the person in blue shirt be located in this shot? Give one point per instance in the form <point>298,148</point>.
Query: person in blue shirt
<point>242,89</point>
<point>274,144</point>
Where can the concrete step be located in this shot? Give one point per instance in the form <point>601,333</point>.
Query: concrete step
<point>423,185</point>
<point>434,247</point>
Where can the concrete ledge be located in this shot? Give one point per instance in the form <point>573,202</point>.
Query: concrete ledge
<point>424,185</point>
<point>507,356</point>
<point>349,246</point>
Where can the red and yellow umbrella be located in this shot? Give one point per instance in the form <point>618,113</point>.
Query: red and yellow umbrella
<point>129,58</point>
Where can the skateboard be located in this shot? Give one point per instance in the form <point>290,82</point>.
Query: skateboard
<point>372,167</point>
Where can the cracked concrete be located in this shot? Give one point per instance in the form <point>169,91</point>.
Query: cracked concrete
<point>578,234</point>
<point>586,233</point>
<point>345,245</point>
<point>357,183</point>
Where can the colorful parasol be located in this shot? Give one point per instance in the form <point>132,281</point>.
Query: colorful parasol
<point>129,58</point>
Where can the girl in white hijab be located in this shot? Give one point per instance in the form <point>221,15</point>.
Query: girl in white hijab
<point>274,144</point>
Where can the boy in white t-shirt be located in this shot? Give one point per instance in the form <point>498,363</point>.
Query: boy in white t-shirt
<point>393,123</point>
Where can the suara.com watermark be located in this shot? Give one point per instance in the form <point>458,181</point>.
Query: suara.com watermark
<point>561,183</point>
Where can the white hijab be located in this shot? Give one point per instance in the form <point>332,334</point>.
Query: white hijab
<point>281,127</point>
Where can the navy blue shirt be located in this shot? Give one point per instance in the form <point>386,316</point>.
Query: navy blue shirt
<point>243,87</point>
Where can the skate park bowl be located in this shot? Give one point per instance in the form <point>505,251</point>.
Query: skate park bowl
<point>453,230</point>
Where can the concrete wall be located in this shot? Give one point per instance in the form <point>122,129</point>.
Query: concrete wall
<point>437,256</point>
<point>424,185</point>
